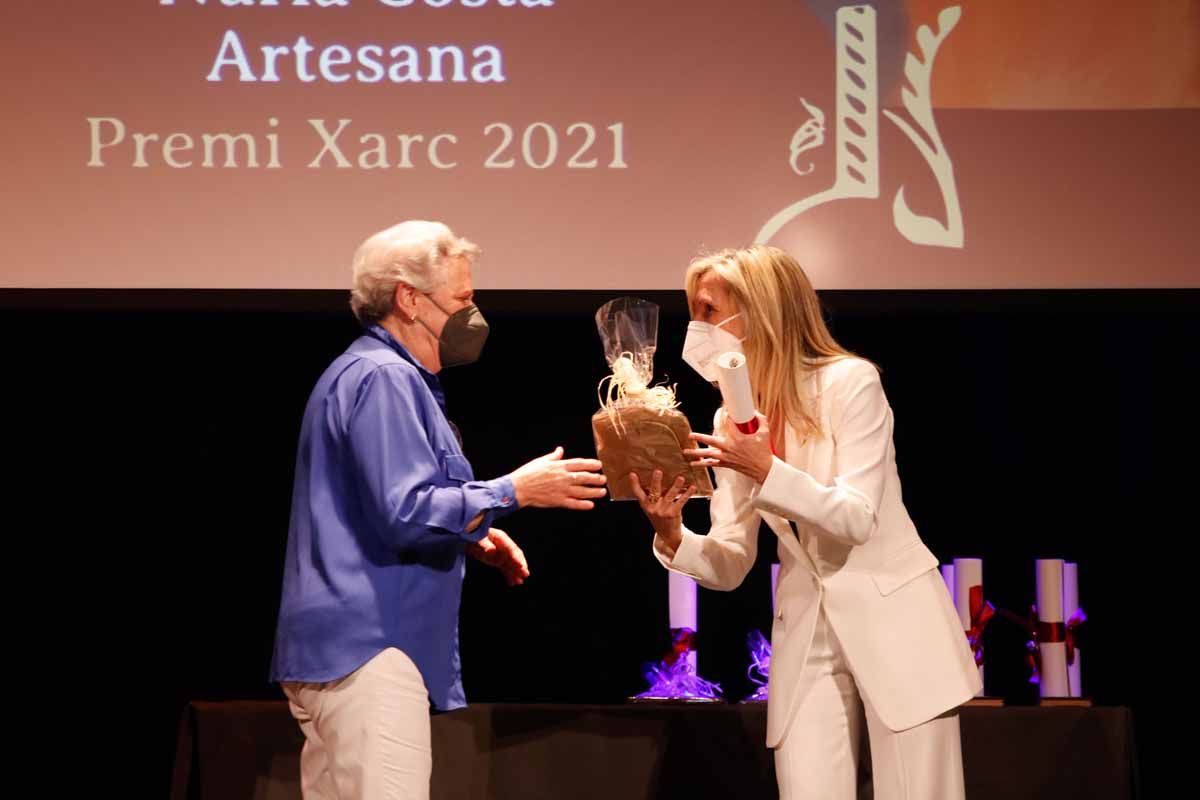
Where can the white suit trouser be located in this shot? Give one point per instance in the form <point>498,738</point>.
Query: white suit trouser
<point>366,735</point>
<point>818,758</point>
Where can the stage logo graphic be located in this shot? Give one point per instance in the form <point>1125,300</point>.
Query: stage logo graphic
<point>857,130</point>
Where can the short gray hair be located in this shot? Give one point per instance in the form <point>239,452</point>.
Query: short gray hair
<point>414,252</point>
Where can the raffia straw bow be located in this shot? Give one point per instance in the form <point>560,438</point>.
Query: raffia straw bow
<point>625,387</point>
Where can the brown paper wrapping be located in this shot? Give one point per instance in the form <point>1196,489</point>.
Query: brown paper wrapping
<point>643,440</point>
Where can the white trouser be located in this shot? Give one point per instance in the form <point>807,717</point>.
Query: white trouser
<point>818,757</point>
<point>366,735</point>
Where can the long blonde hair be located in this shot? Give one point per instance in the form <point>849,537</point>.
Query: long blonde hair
<point>786,336</point>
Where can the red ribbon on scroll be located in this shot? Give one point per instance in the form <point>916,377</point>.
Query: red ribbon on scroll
<point>1069,632</point>
<point>748,427</point>
<point>1074,633</point>
<point>683,641</point>
<point>981,614</point>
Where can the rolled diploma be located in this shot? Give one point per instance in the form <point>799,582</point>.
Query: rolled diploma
<point>1070,606</point>
<point>734,380</point>
<point>681,604</point>
<point>968,572</point>
<point>1053,670</point>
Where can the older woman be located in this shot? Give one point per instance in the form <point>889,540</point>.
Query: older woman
<point>864,630</point>
<point>384,508</point>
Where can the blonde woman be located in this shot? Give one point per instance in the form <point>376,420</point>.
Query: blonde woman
<point>864,632</point>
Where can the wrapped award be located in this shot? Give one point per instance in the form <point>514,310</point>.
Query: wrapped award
<point>639,428</point>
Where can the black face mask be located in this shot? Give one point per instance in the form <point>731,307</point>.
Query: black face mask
<point>463,336</point>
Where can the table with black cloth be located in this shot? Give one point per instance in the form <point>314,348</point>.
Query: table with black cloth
<point>251,749</point>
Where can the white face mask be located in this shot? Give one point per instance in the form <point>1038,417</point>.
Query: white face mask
<point>705,343</point>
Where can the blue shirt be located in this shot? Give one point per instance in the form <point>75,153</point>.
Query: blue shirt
<point>380,506</point>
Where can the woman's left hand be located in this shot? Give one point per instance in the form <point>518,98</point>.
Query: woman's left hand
<point>749,454</point>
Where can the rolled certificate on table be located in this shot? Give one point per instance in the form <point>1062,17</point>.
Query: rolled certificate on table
<point>1051,629</point>
<point>968,579</point>
<point>674,678</point>
<point>1070,609</point>
<point>734,380</point>
<point>681,606</point>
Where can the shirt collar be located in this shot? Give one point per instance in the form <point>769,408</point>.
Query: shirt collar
<point>377,331</point>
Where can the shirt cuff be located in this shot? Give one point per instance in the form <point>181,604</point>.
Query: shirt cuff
<point>492,499</point>
<point>776,495</point>
<point>688,556</point>
<point>504,496</point>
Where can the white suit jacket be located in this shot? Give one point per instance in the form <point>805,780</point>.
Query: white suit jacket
<point>857,553</point>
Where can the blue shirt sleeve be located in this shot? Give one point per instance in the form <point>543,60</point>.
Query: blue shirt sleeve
<point>404,482</point>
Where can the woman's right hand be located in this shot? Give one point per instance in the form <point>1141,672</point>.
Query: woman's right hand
<point>663,509</point>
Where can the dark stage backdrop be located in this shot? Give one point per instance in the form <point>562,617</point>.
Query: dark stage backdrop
<point>159,428</point>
